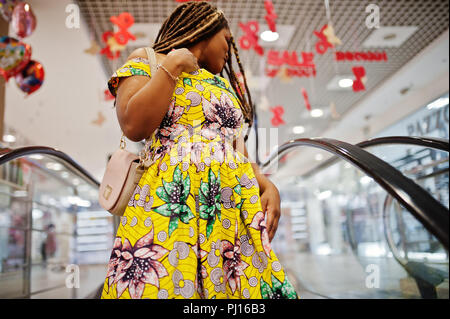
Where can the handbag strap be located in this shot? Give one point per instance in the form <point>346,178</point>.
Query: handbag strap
<point>152,58</point>
<point>153,67</point>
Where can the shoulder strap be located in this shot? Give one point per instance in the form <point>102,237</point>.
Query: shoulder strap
<point>152,58</point>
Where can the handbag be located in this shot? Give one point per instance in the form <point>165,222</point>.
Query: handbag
<point>124,170</point>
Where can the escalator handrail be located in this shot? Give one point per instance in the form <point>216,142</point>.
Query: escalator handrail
<point>430,212</point>
<point>11,154</point>
<point>430,142</point>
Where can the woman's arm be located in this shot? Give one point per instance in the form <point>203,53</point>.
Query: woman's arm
<point>141,103</point>
<point>270,196</point>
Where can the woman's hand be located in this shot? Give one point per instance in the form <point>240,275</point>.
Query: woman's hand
<point>270,202</point>
<point>184,59</point>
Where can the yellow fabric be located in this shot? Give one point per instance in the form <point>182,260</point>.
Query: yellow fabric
<point>194,227</point>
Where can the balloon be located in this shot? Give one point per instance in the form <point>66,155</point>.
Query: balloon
<point>31,77</point>
<point>14,56</point>
<point>7,7</point>
<point>23,20</point>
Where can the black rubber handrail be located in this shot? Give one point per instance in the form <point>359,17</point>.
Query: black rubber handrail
<point>430,212</point>
<point>10,154</point>
<point>430,142</point>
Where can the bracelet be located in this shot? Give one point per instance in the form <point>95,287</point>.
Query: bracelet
<point>175,78</point>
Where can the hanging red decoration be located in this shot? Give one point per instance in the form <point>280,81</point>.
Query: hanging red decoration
<point>123,21</point>
<point>278,112</point>
<point>306,68</point>
<point>250,39</point>
<point>306,99</point>
<point>358,83</point>
<point>107,50</point>
<point>327,39</point>
<point>107,95</point>
<point>270,16</point>
<point>361,56</point>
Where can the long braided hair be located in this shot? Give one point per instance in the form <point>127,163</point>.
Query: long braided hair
<point>193,22</point>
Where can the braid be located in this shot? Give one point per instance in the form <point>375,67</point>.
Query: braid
<point>247,105</point>
<point>193,22</point>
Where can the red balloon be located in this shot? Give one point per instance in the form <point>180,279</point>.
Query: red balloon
<point>31,77</point>
<point>7,7</point>
<point>14,56</point>
<point>23,20</point>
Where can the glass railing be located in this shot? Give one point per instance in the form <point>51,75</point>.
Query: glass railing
<point>337,234</point>
<point>55,239</point>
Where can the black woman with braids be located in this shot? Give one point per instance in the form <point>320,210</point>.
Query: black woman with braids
<point>201,219</point>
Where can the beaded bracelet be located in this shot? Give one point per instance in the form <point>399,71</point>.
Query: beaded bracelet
<point>175,78</point>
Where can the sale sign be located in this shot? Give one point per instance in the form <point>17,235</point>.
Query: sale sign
<point>361,56</point>
<point>304,68</point>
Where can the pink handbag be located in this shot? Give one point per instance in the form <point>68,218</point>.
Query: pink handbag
<point>123,171</point>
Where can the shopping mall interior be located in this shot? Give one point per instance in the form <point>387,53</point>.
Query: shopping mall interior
<point>351,123</point>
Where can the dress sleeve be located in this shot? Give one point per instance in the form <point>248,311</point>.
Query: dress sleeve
<point>136,66</point>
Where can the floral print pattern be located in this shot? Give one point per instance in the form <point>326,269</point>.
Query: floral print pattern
<point>137,266</point>
<point>194,227</point>
<point>175,194</point>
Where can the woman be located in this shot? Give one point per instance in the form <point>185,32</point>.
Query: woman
<point>194,227</point>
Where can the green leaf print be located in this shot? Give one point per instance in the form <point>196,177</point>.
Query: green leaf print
<point>266,291</point>
<point>173,224</point>
<point>237,189</point>
<point>239,206</point>
<point>187,187</point>
<point>278,290</point>
<point>177,175</point>
<point>164,210</point>
<point>161,192</point>
<point>175,194</point>
<point>187,81</point>
<point>209,200</point>
<point>209,226</point>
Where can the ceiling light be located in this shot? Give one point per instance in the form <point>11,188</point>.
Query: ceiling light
<point>9,138</point>
<point>298,129</point>
<point>54,166</point>
<point>316,113</point>
<point>318,157</point>
<point>65,174</point>
<point>443,101</point>
<point>345,83</point>
<point>269,36</point>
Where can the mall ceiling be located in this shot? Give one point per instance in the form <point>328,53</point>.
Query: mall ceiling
<point>421,22</point>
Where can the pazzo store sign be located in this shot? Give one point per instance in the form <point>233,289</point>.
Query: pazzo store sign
<point>435,121</point>
<point>430,121</point>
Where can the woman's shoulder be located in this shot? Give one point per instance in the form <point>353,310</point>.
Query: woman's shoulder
<point>141,53</point>
<point>138,53</point>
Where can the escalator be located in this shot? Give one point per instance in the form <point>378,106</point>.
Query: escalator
<point>354,209</point>
<point>338,237</point>
<point>55,238</point>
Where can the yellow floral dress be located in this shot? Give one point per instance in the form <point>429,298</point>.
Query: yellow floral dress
<point>194,227</point>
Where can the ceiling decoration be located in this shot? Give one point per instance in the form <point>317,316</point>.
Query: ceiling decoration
<point>406,27</point>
